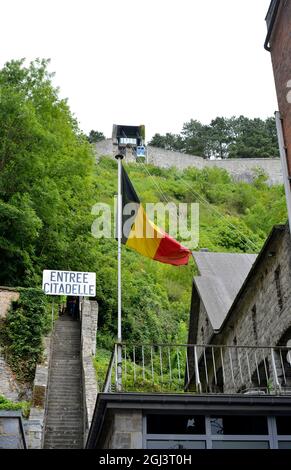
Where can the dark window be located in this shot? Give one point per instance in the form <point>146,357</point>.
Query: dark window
<point>175,424</point>
<point>261,375</point>
<point>283,425</point>
<point>254,323</point>
<point>239,425</point>
<point>202,335</point>
<point>278,287</point>
<point>217,381</point>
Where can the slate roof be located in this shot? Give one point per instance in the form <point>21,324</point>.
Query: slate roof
<point>221,278</point>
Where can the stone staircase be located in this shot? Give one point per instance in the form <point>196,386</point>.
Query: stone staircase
<point>64,410</point>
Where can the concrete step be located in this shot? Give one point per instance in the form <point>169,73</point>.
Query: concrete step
<point>64,413</point>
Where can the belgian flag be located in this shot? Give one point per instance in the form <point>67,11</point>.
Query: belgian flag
<point>143,235</point>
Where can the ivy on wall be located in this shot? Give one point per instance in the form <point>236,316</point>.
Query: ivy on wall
<point>22,332</point>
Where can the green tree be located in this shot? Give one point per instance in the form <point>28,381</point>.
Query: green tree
<point>95,136</point>
<point>196,138</point>
<point>46,177</point>
<point>254,138</point>
<point>168,142</point>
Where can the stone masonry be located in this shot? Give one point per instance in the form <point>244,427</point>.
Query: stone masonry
<point>124,430</point>
<point>7,295</point>
<point>8,384</point>
<point>34,426</point>
<point>240,168</point>
<point>260,315</point>
<point>89,320</point>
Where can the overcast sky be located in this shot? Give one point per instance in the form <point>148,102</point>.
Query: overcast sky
<point>153,62</point>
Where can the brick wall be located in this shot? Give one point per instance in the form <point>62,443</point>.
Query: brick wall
<point>281,59</point>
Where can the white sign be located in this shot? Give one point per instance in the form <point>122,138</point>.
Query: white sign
<point>73,283</point>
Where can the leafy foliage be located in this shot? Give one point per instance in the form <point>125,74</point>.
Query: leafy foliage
<point>46,169</point>
<point>22,332</point>
<point>95,136</point>
<point>9,405</point>
<point>234,217</point>
<point>49,184</point>
<point>236,137</point>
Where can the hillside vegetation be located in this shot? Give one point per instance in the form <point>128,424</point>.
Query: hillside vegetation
<point>49,184</point>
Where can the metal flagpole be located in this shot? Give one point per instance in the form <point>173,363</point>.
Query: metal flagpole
<point>53,312</point>
<point>119,299</point>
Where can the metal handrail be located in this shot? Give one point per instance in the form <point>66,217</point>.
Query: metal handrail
<point>200,368</point>
<point>108,378</point>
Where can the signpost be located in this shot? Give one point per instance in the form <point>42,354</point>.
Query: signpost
<point>74,283</point>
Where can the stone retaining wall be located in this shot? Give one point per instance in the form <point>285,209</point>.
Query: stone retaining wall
<point>8,384</point>
<point>239,168</point>
<point>34,426</point>
<point>89,319</point>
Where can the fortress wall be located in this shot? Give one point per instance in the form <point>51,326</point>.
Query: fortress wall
<point>242,169</point>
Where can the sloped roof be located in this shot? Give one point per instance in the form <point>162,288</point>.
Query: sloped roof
<point>221,277</point>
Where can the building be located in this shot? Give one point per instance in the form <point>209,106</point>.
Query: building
<point>12,434</point>
<point>240,301</point>
<point>230,386</point>
<point>278,43</point>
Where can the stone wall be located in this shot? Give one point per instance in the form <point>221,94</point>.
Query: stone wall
<point>240,168</point>
<point>34,426</point>
<point>204,328</point>
<point>89,320</point>
<point>272,317</point>
<point>7,295</point>
<point>261,317</point>
<point>124,430</point>
<point>8,384</point>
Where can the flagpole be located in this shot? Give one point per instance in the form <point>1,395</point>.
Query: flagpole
<point>119,298</point>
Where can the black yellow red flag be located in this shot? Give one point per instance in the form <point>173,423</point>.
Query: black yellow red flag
<point>142,235</point>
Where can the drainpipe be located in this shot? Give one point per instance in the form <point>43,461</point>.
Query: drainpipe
<point>271,25</point>
<point>283,157</point>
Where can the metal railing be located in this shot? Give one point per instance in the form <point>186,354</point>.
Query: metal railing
<point>180,368</point>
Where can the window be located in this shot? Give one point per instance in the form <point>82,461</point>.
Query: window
<point>283,425</point>
<point>261,375</point>
<point>175,424</point>
<point>221,431</point>
<point>239,425</point>
<point>254,323</point>
<point>278,287</point>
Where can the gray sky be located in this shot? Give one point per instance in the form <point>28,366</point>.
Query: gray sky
<point>153,62</point>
